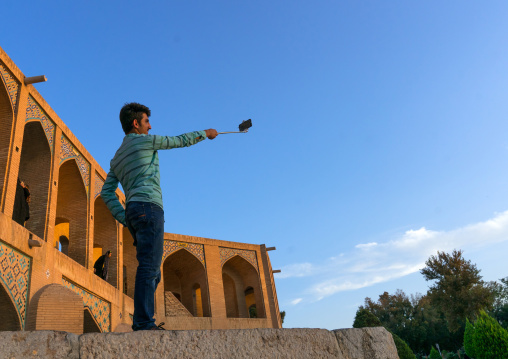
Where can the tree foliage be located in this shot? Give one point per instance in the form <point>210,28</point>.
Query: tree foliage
<point>500,307</point>
<point>364,318</point>
<point>458,291</point>
<point>486,339</point>
<point>414,319</point>
<point>403,350</point>
<point>468,340</point>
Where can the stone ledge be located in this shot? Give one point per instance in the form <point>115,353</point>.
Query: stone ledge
<point>365,343</point>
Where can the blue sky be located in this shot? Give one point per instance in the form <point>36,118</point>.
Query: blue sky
<point>379,128</point>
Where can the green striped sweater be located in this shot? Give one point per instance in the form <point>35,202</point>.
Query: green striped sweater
<point>136,166</point>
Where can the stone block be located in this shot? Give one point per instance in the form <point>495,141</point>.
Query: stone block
<point>252,343</point>
<point>366,343</point>
<point>39,344</point>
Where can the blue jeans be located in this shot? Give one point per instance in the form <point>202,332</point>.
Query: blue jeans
<point>146,223</point>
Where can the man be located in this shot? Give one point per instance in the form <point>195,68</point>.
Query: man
<point>101,266</point>
<point>136,166</point>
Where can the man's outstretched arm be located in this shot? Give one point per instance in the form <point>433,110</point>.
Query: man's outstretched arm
<point>185,140</point>
<point>109,197</point>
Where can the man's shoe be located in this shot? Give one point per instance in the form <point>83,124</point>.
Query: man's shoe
<point>159,327</point>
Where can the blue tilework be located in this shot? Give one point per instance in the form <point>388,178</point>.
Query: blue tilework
<point>249,256</point>
<point>11,84</point>
<point>15,275</point>
<point>194,248</point>
<point>35,113</point>
<point>68,151</point>
<point>100,309</point>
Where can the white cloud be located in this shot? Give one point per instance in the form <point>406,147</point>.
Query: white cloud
<point>296,301</point>
<point>366,245</point>
<point>297,270</point>
<point>371,263</point>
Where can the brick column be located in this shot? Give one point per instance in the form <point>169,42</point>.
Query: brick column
<point>15,152</point>
<point>268,284</point>
<point>215,286</point>
<point>53,191</point>
<point>91,219</point>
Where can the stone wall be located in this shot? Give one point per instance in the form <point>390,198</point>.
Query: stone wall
<point>365,343</point>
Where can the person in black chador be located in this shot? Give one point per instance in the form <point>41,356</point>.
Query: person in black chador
<point>21,212</point>
<point>101,266</point>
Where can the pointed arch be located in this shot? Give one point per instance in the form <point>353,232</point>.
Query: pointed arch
<point>183,274</point>
<point>10,318</point>
<point>105,236</point>
<point>35,172</point>
<point>72,204</point>
<point>90,325</point>
<point>242,288</point>
<point>6,123</point>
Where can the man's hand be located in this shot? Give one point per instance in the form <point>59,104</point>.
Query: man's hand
<point>211,133</point>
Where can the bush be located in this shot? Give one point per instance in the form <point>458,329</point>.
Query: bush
<point>434,354</point>
<point>468,340</point>
<point>403,349</point>
<point>364,318</point>
<point>486,339</point>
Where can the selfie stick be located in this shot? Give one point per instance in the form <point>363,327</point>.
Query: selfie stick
<point>243,128</point>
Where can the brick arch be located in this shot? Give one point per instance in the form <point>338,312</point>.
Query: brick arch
<point>90,325</point>
<point>35,171</point>
<point>10,318</point>
<point>6,121</point>
<point>239,276</point>
<point>72,204</point>
<point>182,271</point>
<point>105,236</point>
<point>55,307</point>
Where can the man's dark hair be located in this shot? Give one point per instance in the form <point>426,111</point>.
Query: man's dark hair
<point>130,112</point>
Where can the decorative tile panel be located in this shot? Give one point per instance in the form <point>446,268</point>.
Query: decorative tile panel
<point>11,84</point>
<point>35,113</point>
<point>194,248</point>
<point>68,151</point>
<point>100,309</point>
<point>99,182</point>
<point>249,256</point>
<point>15,275</point>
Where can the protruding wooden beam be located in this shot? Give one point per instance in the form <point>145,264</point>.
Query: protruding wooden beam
<point>270,249</point>
<point>35,79</point>
<point>276,271</point>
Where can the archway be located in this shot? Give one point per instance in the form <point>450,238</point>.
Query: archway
<point>6,121</point>
<point>105,237</point>
<point>89,323</point>
<point>242,289</point>
<point>35,171</point>
<point>10,319</point>
<point>72,205</point>
<point>184,275</point>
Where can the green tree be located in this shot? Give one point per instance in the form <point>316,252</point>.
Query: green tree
<point>364,318</point>
<point>282,316</point>
<point>458,291</point>
<point>490,340</point>
<point>500,307</point>
<point>468,340</point>
<point>403,350</point>
<point>434,354</point>
<point>414,319</point>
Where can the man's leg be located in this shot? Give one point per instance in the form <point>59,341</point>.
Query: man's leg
<point>146,223</point>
